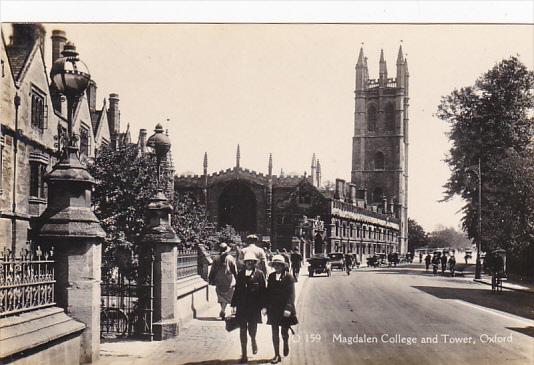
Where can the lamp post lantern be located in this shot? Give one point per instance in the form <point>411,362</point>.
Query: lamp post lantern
<point>70,76</point>
<point>160,143</point>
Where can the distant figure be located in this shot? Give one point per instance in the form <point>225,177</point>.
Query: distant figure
<point>296,263</point>
<point>348,263</point>
<point>252,247</point>
<point>421,258</point>
<point>435,264</point>
<point>452,264</point>
<point>286,257</point>
<point>222,275</point>
<point>466,257</point>
<point>428,259</point>
<point>443,264</point>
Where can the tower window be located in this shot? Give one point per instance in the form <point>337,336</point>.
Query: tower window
<point>371,117</point>
<point>377,195</point>
<point>390,116</point>
<point>379,161</point>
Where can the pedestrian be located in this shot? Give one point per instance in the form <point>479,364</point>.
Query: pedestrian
<point>248,301</point>
<point>286,257</point>
<point>348,263</point>
<point>427,261</point>
<point>452,264</point>
<point>222,275</point>
<point>435,263</point>
<point>252,241</point>
<point>280,305</point>
<point>421,257</point>
<point>296,263</point>
<point>443,264</point>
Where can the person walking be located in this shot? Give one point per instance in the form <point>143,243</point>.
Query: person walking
<point>420,257</point>
<point>284,253</point>
<point>280,305</point>
<point>248,301</point>
<point>435,264</point>
<point>427,261</point>
<point>222,275</point>
<point>348,263</point>
<point>296,263</point>
<point>443,264</point>
<point>252,247</point>
<point>452,264</point>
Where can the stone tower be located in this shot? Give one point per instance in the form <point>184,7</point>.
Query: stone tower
<point>380,142</point>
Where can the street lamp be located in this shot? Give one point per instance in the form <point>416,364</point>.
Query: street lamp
<point>160,143</point>
<point>478,172</point>
<point>70,77</point>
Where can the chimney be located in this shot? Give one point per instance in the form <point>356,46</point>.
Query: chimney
<point>391,206</point>
<point>142,140</point>
<point>26,34</point>
<point>114,114</point>
<point>384,205</point>
<point>340,189</point>
<point>59,38</point>
<point>352,191</point>
<point>91,96</point>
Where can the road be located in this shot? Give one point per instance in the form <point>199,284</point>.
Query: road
<point>401,307</point>
<point>388,304</point>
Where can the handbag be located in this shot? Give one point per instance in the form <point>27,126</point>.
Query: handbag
<point>231,323</point>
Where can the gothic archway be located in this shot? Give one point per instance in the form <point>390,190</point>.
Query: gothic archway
<point>237,208</point>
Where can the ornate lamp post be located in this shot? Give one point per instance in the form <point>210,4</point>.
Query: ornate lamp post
<point>69,221</point>
<point>160,143</point>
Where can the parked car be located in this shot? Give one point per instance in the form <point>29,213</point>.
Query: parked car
<point>337,260</point>
<point>319,264</point>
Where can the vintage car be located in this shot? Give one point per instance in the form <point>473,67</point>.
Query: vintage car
<point>319,264</point>
<point>337,260</point>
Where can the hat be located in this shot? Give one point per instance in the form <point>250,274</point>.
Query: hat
<point>252,237</point>
<point>250,256</point>
<point>278,259</point>
<point>224,248</point>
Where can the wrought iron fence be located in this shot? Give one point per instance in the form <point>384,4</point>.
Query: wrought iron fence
<point>26,281</point>
<point>187,263</point>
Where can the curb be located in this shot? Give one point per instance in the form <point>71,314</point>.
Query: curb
<point>506,287</point>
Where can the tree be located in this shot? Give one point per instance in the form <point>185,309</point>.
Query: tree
<point>448,237</point>
<point>417,237</point>
<point>492,122</point>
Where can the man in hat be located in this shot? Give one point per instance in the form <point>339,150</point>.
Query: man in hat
<point>222,275</point>
<point>296,263</point>
<point>257,251</point>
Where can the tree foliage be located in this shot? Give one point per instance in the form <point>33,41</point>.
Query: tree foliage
<point>492,122</point>
<point>417,237</point>
<point>448,237</point>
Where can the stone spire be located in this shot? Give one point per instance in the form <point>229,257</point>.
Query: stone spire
<point>270,165</point>
<point>205,164</point>
<point>401,71</point>
<point>313,169</point>
<point>361,71</point>
<point>383,71</point>
<point>318,174</point>
<point>237,157</point>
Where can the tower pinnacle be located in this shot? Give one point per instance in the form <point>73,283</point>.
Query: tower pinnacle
<point>383,71</point>
<point>237,157</point>
<point>270,166</point>
<point>205,164</point>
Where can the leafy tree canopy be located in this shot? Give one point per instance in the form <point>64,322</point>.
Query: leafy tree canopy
<point>492,122</point>
<point>417,237</point>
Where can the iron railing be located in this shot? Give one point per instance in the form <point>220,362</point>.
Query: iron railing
<point>187,262</point>
<point>26,281</point>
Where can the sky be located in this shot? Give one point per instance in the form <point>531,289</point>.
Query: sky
<point>288,89</point>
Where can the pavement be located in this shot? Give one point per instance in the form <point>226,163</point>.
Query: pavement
<point>405,314</point>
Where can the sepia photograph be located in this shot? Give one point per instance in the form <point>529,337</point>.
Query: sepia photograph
<point>294,182</point>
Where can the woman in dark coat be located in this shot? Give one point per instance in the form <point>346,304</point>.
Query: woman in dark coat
<point>280,303</point>
<point>249,299</point>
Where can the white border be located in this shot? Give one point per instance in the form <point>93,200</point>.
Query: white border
<point>269,11</point>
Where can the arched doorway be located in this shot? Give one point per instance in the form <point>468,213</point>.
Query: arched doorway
<point>237,208</point>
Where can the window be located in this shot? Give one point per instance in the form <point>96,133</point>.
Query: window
<point>84,141</point>
<point>38,111</point>
<point>379,161</point>
<point>377,195</point>
<point>371,117</point>
<point>37,171</point>
<point>390,117</point>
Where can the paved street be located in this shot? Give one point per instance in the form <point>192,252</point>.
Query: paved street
<point>403,305</point>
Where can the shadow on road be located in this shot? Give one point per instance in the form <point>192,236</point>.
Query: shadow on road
<point>513,302</point>
<point>529,331</point>
<point>209,319</point>
<point>228,362</point>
